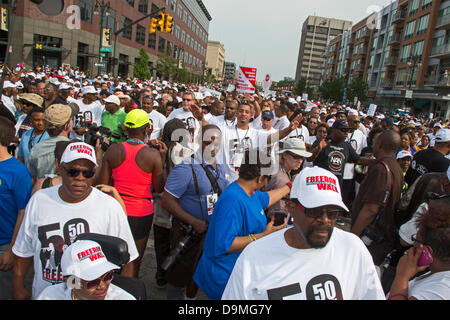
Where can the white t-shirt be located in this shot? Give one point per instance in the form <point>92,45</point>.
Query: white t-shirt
<point>281,123</point>
<point>159,120</point>
<point>89,113</point>
<point>62,292</point>
<point>430,287</point>
<point>192,125</point>
<point>301,133</point>
<point>50,225</point>
<point>234,143</point>
<point>270,269</point>
<point>272,149</point>
<point>358,141</point>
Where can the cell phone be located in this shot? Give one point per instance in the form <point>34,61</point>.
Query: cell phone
<point>425,258</point>
<point>279,218</point>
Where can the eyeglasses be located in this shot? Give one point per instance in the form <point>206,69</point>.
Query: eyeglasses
<point>414,239</point>
<point>315,213</point>
<point>107,277</point>
<point>73,173</point>
<point>356,121</point>
<point>187,99</point>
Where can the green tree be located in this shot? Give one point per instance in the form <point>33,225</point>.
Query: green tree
<point>333,89</point>
<point>166,65</point>
<point>141,70</point>
<point>300,86</point>
<point>357,88</point>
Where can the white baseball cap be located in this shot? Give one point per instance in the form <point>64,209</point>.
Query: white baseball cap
<point>88,89</point>
<point>79,150</point>
<point>8,84</point>
<point>54,81</point>
<point>316,187</point>
<point>404,153</point>
<point>330,122</point>
<point>112,99</point>
<point>85,259</point>
<point>64,86</point>
<point>443,135</point>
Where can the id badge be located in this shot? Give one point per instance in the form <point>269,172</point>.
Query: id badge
<point>237,160</point>
<point>211,202</point>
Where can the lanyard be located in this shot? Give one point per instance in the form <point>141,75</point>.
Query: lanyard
<point>135,141</point>
<point>30,142</point>
<point>237,133</point>
<point>231,123</point>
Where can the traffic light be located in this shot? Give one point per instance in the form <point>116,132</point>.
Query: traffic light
<point>160,22</point>
<point>169,23</point>
<point>153,25</point>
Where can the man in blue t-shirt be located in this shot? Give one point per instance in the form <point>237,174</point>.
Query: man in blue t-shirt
<point>238,219</point>
<point>33,136</point>
<point>189,196</point>
<point>15,191</point>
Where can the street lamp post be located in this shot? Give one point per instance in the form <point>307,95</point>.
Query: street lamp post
<point>415,60</point>
<point>102,8</point>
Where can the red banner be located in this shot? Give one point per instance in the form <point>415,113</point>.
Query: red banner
<point>246,80</point>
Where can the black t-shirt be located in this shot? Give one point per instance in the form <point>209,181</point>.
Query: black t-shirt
<point>334,156</point>
<point>424,161</point>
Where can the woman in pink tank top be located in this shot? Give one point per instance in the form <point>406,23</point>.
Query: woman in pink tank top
<point>133,168</point>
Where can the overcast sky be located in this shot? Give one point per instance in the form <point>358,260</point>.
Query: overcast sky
<point>265,34</point>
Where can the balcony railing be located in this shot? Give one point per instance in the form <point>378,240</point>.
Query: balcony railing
<point>443,21</point>
<point>395,39</point>
<point>362,50</point>
<point>386,83</point>
<point>391,61</point>
<point>359,68</point>
<point>399,16</point>
<point>440,51</point>
<point>437,81</point>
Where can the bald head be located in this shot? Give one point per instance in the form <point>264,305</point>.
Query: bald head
<point>388,141</point>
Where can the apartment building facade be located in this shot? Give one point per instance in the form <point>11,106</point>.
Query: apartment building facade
<point>316,32</point>
<point>215,59</point>
<point>408,57</point>
<point>42,39</point>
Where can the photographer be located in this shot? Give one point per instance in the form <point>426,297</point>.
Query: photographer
<point>190,193</point>
<point>113,117</point>
<point>134,168</point>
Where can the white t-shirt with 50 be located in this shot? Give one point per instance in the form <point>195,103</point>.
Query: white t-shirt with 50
<point>270,269</point>
<point>50,225</point>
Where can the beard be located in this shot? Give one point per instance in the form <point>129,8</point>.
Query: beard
<point>318,243</point>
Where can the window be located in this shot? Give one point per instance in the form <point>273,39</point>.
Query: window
<point>413,7</point>
<point>409,31</point>
<point>412,75</point>
<point>161,45</point>
<point>140,34</point>
<point>173,5</point>
<point>143,6</point>
<point>400,80</point>
<point>190,22</point>
<point>127,32</point>
<point>180,11</point>
<point>183,36</point>
<point>177,31</point>
<point>152,41</point>
<point>130,2</point>
<point>185,19</point>
<point>417,49</point>
<point>404,56</point>
<point>423,24</point>
<point>86,10</point>
<point>188,39</point>
<point>426,4</point>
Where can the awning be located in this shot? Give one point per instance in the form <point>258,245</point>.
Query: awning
<point>89,55</point>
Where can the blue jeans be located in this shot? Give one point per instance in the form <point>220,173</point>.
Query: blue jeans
<point>5,278</point>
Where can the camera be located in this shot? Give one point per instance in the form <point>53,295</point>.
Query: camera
<point>154,146</point>
<point>372,234</point>
<point>175,252</point>
<point>95,133</point>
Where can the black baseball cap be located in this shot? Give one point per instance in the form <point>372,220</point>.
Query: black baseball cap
<point>340,124</point>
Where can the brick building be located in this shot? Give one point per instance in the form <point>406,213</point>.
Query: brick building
<point>57,44</point>
<point>405,57</point>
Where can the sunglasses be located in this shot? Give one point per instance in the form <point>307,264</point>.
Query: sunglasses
<point>344,130</point>
<point>73,173</point>
<point>187,99</point>
<point>266,119</point>
<point>315,213</point>
<point>107,277</point>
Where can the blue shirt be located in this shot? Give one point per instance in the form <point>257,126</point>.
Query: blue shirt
<point>15,191</point>
<point>235,215</point>
<point>28,141</point>
<point>180,184</point>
